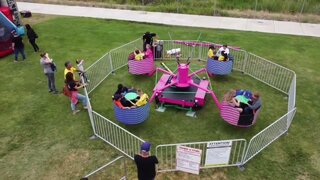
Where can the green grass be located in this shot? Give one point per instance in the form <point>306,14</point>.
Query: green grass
<point>41,139</point>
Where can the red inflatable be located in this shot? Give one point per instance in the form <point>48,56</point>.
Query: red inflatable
<point>5,36</point>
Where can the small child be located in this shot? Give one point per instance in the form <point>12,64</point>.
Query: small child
<point>82,73</point>
<point>138,55</point>
<point>143,98</point>
<point>223,57</point>
<point>212,52</point>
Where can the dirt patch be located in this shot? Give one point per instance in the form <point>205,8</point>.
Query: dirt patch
<point>315,160</point>
<point>70,165</point>
<point>38,18</point>
<point>304,176</point>
<point>206,174</point>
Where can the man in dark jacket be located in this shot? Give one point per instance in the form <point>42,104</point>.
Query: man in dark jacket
<point>17,46</point>
<point>147,39</point>
<point>32,36</point>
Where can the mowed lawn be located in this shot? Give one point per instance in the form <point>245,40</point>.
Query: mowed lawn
<point>41,139</point>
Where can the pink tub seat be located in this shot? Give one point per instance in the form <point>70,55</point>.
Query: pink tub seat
<point>232,116</point>
<point>145,66</point>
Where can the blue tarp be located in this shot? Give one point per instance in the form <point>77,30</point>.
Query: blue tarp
<point>5,22</point>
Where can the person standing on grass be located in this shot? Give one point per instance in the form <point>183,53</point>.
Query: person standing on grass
<point>17,46</point>
<point>145,163</point>
<point>70,68</point>
<point>74,86</point>
<point>32,36</point>
<point>46,63</point>
<point>147,39</point>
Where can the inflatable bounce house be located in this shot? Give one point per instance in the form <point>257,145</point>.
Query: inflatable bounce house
<point>8,18</point>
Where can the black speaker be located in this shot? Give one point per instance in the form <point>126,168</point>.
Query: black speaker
<point>25,14</point>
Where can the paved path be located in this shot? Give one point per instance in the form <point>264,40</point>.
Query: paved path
<point>242,24</point>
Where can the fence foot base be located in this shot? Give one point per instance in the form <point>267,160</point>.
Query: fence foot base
<point>93,137</point>
<point>241,167</point>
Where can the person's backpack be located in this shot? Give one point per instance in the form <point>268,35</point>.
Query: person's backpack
<point>53,67</point>
<point>25,14</point>
<point>66,91</point>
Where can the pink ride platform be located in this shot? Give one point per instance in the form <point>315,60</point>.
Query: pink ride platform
<point>182,89</point>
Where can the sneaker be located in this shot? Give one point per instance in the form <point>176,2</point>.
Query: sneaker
<point>56,92</point>
<point>75,112</point>
<point>15,61</point>
<point>50,91</point>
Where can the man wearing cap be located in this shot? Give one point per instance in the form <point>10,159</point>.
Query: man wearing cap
<point>17,46</point>
<point>146,164</point>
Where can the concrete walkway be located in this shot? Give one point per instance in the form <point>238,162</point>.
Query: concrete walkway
<point>242,24</point>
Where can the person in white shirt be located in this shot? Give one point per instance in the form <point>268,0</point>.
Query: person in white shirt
<point>81,68</point>
<point>223,48</point>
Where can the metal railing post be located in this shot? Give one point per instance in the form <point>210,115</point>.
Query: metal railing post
<point>245,62</point>
<point>111,64</point>
<point>89,108</point>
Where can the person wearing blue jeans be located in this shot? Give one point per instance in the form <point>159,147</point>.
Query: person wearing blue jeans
<point>81,98</point>
<point>17,46</point>
<point>46,63</point>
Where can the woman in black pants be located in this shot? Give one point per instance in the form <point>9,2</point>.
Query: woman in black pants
<point>32,36</point>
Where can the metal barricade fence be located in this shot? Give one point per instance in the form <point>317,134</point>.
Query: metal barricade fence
<point>292,100</point>
<point>166,154</point>
<point>267,136</point>
<point>98,71</point>
<point>269,73</point>
<point>119,55</point>
<point>292,94</point>
<point>185,50</point>
<point>109,62</point>
<point>116,136</point>
<point>118,170</point>
<point>259,68</point>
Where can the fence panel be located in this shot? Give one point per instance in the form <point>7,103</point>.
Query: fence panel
<point>98,71</point>
<point>292,100</point>
<point>166,154</point>
<point>186,50</point>
<point>267,136</point>
<point>268,72</point>
<point>115,169</point>
<point>119,56</point>
<point>292,94</point>
<point>116,136</point>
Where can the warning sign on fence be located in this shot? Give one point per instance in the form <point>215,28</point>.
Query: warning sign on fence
<point>218,153</point>
<point>188,159</point>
